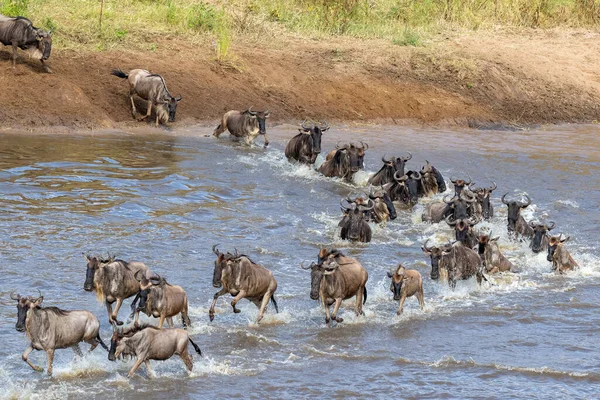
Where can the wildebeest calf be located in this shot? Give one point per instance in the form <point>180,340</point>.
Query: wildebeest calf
<point>19,32</point>
<point>406,283</point>
<point>559,256</point>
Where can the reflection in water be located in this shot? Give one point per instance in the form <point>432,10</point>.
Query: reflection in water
<point>166,200</point>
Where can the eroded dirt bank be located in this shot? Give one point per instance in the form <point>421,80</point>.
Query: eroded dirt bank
<point>470,79</point>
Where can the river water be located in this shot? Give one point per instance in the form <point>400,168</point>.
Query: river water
<point>165,199</point>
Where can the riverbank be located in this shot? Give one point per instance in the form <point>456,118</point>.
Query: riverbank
<point>470,78</point>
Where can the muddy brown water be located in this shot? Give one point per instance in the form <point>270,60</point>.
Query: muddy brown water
<point>165,199</point>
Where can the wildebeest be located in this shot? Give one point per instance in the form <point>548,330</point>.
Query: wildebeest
<point>50,328</point>
<point>460,184</point>
<point>483,208</point>
<point>245,124</point>
<point>151,343</point>
<point>113,280</point>
<point>346,161</point>
<point>306,146</point>
<point>383,207</point>
<point>459,261</point>
<point>429,180</point>
<point>559,256</point>
<point>397,190</point>
<point>336,278</point>
<point>389,169</point>
<point>491,257</point>
<point>463,230</point>
<point>19,32</point>
<point>354,222</point>
<point>458,207</point>
<point>406,283</point>
<point>161,300</point>
<point>539,241</point>
<point>516,223</point>
<point>152,88</point>
<point>241,277</point>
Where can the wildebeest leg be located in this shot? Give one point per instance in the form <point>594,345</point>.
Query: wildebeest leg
<point>326,306</point>
<point>420,298</point>
<point>263,306</point>
<point>15,46</point>
<point>401,305</point>
<point>133,109</point>
<point>187,360</point>
<point>211,312</point>
<point>25,358</point>
<point>185,319</point>
<point>266,140</point>
<point>77,350</point>
<point>148,369</point>
<point>109,310</point>
<point>220,128</point>
<point>137,364</point>
<point>50,354</point>
<point>161,322</point>
<point>148,112</point>
<point>240,295</point>
<point>46,67</point>
<point>114,316</point>
<point>359,301</point>
<point>170,322</point>
<point>336,307</point>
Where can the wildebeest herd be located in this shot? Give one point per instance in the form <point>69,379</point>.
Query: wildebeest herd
<point>333,278</point>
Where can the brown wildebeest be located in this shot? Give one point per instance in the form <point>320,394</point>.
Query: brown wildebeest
<point>489,251</point>
<point>151,343</point>
<point>390,167</point>
<point>246,124</point>
<point>429,180</point>
<point>241,277</point>
<point>539,241</point>
<point>161,300</point>
<point>19,32</point>
<point>306,146</point>
<point>384,209</point>
<point>406,283</point>
<point>559,256</point>
<point>459,261</point>
<point>152,88</point>
<point>516,223</point>
<point>463,230</point>
<point>336,278</point>
<point>460,184</point>
<point>50,328</point>
<point>113,280</point>
<point>346,161</point>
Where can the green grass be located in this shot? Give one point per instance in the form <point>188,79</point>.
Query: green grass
<point>136,23</point>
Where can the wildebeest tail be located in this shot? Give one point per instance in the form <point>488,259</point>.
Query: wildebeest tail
<point>118,73</point>
<point>195,346</point>
<point>99,339</point>
<point>274,303</point>
<point>364,295</point>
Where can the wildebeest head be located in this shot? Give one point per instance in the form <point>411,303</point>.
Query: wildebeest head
<point>540,236</point>
<point>460,206</point>
<point>356,155</point>
<point>155,283</point>
<point>397,277</point>
<point>484,240</point>
<point>353,220</point>
<point>260,117</point>
<point>483,197</point>
<point>435,254</point>
<point>118,341</point>
<point>315,132</point>
<point>44,44</point>
<point>553,243</point>
<point>413,185</point>
<point>514,210</point>
<point>326,266</point>
<point>24,304</point>
<point>171,104</point>
<point>390,167</point>
<point>459,184</point>
<point>462,227</point>
<point>382,196</point>
<point>93,264</point>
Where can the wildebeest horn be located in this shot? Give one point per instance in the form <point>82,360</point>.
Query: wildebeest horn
<point>449,222</point>
<point>386,161</point>
<point>550,227</point>
<point>337,146</point>
<point>532,224</point>
<point>563,240</point>
<point>324,128</point>
<point>400,178</point>
<point>424,247</point>
<point>470,199</point>
<point>267,113</point>
<point>304,127</point>
<point>178,98</point>
<point>493,187</point>
<point>137,278</point>
<point>416,175</point>
<point>453,179</point>
<point>250,111</point>
<point>364,145</point>
<point>367,208</point>
<point>502,198</point>
<point>309,267</point>
<point>12,296</point>
<point>528,202</point>
<point>451,200</point>
<point>215,250</point>
<point>237,253</point>
<point>407,158</point>
<point>41,296</point>
<point>350,206</point>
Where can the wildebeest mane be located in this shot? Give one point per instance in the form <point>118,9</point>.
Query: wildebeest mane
<point>133,329</point>
<point>55,311</point>
<point>163,82</point>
